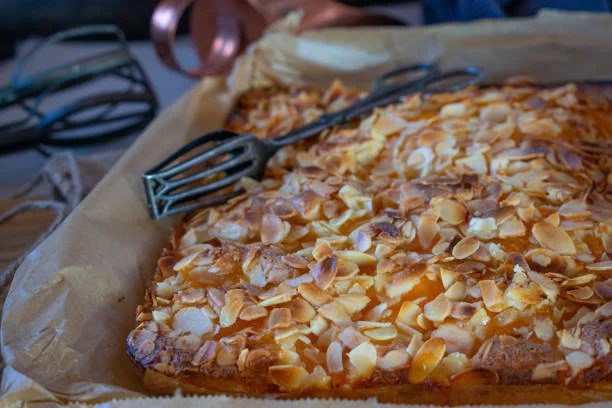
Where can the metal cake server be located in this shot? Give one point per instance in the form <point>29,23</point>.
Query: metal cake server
<point>174,186</point>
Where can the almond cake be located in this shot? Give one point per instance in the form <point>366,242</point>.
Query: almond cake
<point>452,238</point>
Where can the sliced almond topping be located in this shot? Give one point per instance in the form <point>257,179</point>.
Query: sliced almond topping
<point>438,309</point>
<point>449,210</point>
<point>363,359</point>
<point>448,277</point>
<point>382,333</point>
<point>457,291</point>
<point>277,300</point>
<point>353,302</point>
<point>426,359</point>
<point>313,294</point>
<point>579,280</point>
<point>160,316</point>
<point>546,371</point>
<point>279,318</point>
<point>234,299</point>
<point>408,313</point>
<point>273,229</point>
<point>600,266</point>
<point>512,227</point>
<point>346,270</point>
<point>454,110</point>
<point>580,294</point>
<point>405,281</point>
<point>301,310</point>
<point>495,112</point>
<point>351,338</point>
<point>604,289</point>
<point>427,230</point>
<point>253,312</point>
<point>335,312</point>
<point>393,360</point>
<point>466,247</point>
<point>334,357</point>
<point>579,361</point>
<point>491,295</point>
<point>193,320</point>
<point>287,377</point>
<point>464,310</point>
<point>357,257</point>
<point>553,238</point>
<point>325,272</point>
<point>569,341</point>
<point>455,338</point>
<point>363,241</point>
<point>186,262</point>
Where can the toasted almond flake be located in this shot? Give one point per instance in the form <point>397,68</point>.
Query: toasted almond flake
<point>475,162</point>
<point>600,266</point>
<point>335,312</point>
<point>426,359</point>
<point>404,281</point>
<point>543,328</point>
<point>464,310</point>
<point>346,270</point>
<point>318,325</point>
<point>287,377</point>
<point>455,338</point>
<point>283,334</point>
<point>427,230</point>
<point>273,229</point>
<point>301,310</point>
<point>545,371</point>
<point>193,320</point>
<point>491,295</point>
<point>582,293</point>
<point>334,357</point>
<point>186,262</point>
<point>234,299</point>
<point>325,272</point>
<point>408,313</point>
<point>393,360</point>
<point>438,309</point>
<point>553,238</point>
<point>253,312</point>
<point>466,247</point>
<point>449,210</point>
<point>313,294</point>
<point>579,361</point>
<point>363,359</point>
<point>448,277</point>
<point>279,318</point>
<point>454,110</point>
<point>604,289</point>
<point>457,291</point>
<point>277,300</point>
<point>356,257</point>
<point>483,228</point>
<point>495,112</point>
<point>512,227</point>
<point>363,241</point>
<point>382,333</point>
<point>569,341</point>
<point>579,280</point>
<point>161,316</point>
<point>353,302</point>
<point>351,338</point>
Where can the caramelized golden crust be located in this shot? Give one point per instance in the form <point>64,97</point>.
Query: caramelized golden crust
<point>450,239</point>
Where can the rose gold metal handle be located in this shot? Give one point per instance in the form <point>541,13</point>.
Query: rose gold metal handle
<point>222,50</point>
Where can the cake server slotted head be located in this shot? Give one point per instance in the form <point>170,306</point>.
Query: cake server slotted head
<point>207,171</point>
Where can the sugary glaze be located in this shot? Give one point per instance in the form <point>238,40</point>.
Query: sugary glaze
<point>458,238</point>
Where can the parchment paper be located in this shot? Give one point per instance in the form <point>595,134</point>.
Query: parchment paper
<point>73,300</point>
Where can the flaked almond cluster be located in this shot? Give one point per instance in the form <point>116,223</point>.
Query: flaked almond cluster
<point>455,238</point>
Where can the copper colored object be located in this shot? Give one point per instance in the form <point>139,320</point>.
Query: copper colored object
<point>221,30</point>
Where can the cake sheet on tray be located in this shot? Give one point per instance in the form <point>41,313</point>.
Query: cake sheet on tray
<point>72,302</point>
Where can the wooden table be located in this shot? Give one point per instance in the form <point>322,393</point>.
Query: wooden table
<point>19,233</point>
